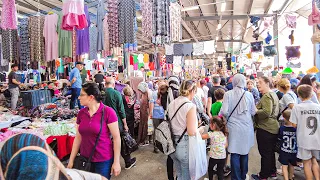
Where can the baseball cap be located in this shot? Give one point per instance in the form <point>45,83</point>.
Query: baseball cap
<point>80,63</point>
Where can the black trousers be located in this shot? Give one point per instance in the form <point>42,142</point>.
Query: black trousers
<point>266,143</point>
<point>220,165</point>
<point>170,168</point>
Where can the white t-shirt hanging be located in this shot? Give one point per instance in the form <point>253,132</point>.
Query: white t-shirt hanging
<point>177,64</point>
<point>140,58</point>
<point>208,47</point>
<point>169,49</point>
<point>88,65</point>
<point>198,48</point>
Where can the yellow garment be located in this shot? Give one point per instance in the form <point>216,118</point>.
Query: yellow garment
<point>312,70</point>
<point>146,58</point>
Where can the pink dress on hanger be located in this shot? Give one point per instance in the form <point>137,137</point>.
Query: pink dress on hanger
<point>51,37</point>
<point>8,15</point>
<point>73,15</point>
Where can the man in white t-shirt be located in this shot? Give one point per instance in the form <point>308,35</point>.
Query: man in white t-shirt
<point>306,116</point>
<point>203,84</point>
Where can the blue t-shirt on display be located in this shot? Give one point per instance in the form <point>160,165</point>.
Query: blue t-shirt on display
<point>75,73</point>
<point>287,135</point>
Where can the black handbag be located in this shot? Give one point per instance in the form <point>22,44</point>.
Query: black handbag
<point>129,144</point>
<point>83,163</point>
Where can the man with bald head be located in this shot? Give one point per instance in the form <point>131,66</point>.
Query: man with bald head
<point>113,99</point>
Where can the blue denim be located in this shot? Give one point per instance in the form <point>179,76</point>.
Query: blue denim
<point>102,168</point>
<point>239,166</point>
<point>75,93</point>
<point>181,158</point>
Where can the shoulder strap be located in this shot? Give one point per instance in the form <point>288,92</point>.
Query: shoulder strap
<point>236,106</point>
<point>178,110</point>
<point>95,144</point>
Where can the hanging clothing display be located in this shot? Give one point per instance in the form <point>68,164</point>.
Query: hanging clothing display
<point>74,46</point>
<point>208,47</point>
<point>146,11</point>
<point>9,46</point>
<point>93,32</point>
<point>291,21</point>
<point>169,49</point>
<point>113,23</point>
<point>161,22</point>
<point>24,43</point>
<point>8,15</point>
<point>101,12</point>
<point>127,13</point>
<point>65,40</point>
<point>4,64</point>
<point>106,34</point>
<point>198,48</point>
<point>187,49</point>
<point>83,36</point>
<point>73,15</point>
<point>175,21</point>
<point>314,17</point>
<point>51,36</point>
<point>178,49</point>
<point>36,24</point>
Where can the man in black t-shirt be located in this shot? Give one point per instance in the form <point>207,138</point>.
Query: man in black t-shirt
<point>14,86</point>
<point>211,99</point>
<point>98,78</point>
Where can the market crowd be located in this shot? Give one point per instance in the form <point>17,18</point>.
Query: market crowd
<point>225,110</point>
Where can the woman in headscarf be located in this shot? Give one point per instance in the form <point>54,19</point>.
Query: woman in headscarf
<point>240,125</point>
<point>28,157</point>
<point>146,108</point>
<point>129,100</point>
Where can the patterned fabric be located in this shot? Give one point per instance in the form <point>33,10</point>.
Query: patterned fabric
<point>4,64</point>
<point>146,10</point>
<point>175,21</point>
<point>9,46</point>
<point>8,15</point>
<point>161,22</point>
<point>127,13</point>
<point>169,49</point>
<point>101,12</point>
<point>106,34</point>
<point>36,24</point>
<point>24,43</point>
<point>93,32</point>
<point>178,49</point>
<point>198,48</point>
<point>113,23</point>
<point>187,49</point>
<point>74,45</point>
<point>218,143</point>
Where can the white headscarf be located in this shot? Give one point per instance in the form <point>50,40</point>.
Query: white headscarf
<point>143,87</point>
<point>174,83</point>
<point>239,83</point>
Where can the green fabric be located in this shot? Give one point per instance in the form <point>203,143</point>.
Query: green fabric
<point>113,99</point>
<point>65,39</point>
<point>268,110</point>
<point>215,108</point>
<point>135,59</point>
<point>141,65</point>
<point>287,71</point>
<point>274,73</point>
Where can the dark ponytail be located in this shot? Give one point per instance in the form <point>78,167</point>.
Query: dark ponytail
<point>221,124</point>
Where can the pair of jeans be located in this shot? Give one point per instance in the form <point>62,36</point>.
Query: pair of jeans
<point>75,93</point>
<point>220,165</point>
<point>266,143</point>
<point>239,166</point>
<point>14,97</point>
<point>102,168</point>
<point>181,158</point>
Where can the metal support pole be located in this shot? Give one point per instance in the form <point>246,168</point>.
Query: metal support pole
<point>276,40</point>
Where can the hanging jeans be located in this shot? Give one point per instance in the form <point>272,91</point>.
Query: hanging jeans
<point>181,158</point>
<point>239,166</point>
<point>266,143</point>
<point>14,97</point>
<point>102,168</point>
<point>75,93</point>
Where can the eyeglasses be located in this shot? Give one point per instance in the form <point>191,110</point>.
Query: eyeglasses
<point>83,94</point>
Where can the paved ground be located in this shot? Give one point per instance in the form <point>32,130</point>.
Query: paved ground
<point>151,166</point>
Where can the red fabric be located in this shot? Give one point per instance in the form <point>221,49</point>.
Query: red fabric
<point>71,20</point>
<point>64,144</point>
<point>131,60</point>
<point>151,66</point>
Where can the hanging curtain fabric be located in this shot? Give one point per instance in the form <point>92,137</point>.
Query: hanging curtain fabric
<point>113,23</point>
<point>51,36</point>
<point>36,38</point>
<point>146,11</point>
<point>106,34</point>
<point>74,46</point>
<point>127,14</point>
<point>8,15</point>
<point>73,15</point>
<point>4,64</point>
<point>24,43</point>
<point>83,36</point>
<point>93,32</point>
<point>175,22</point>
<point>65,40</point>
<point>161,22</point>
<point>101,12</point>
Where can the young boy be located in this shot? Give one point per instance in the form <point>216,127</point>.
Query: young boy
<point>218,95</point>
<point>288,148</point>
<point>306,117</point>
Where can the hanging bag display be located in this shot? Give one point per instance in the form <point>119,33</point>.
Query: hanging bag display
<point>83,163</point>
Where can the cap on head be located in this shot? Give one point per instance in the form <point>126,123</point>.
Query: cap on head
<point>81,63</point>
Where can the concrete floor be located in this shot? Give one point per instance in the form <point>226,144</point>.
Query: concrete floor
<point>151,166</point>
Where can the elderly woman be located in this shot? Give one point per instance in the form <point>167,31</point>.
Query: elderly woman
<point>146,109</point>
<point>28,157</point>
<point>267,129</point>
<point>238,107</point>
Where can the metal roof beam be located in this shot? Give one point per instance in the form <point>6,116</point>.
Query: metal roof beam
<point>224,17</point>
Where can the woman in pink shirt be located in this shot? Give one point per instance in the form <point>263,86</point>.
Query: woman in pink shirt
<point>106,157</point>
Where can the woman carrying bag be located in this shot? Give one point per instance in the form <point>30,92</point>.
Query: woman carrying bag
<point>96,124</point>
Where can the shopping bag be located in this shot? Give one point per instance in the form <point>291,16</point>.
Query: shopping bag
<point>150,127</point>
<point>198,163</point>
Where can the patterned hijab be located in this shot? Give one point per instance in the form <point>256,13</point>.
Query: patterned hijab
<point>143,87</point>
<point>28,157</point>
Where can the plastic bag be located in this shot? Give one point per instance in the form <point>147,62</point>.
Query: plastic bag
<point>150,126</point>
<point>198,163</point>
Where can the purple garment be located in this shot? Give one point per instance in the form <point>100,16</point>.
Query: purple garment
<point>119,87</point>
<point>83,36</point>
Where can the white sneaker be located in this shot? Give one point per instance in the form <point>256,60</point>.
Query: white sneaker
<point>247,177</point>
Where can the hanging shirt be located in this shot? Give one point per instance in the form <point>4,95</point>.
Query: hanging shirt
<point>88,65</point>
<point>175,21</point>
<point>51,37</point>
<point>208,47</point>
<point>198,48</point>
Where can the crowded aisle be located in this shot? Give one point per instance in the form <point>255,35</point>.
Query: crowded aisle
<point>159,89</point>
